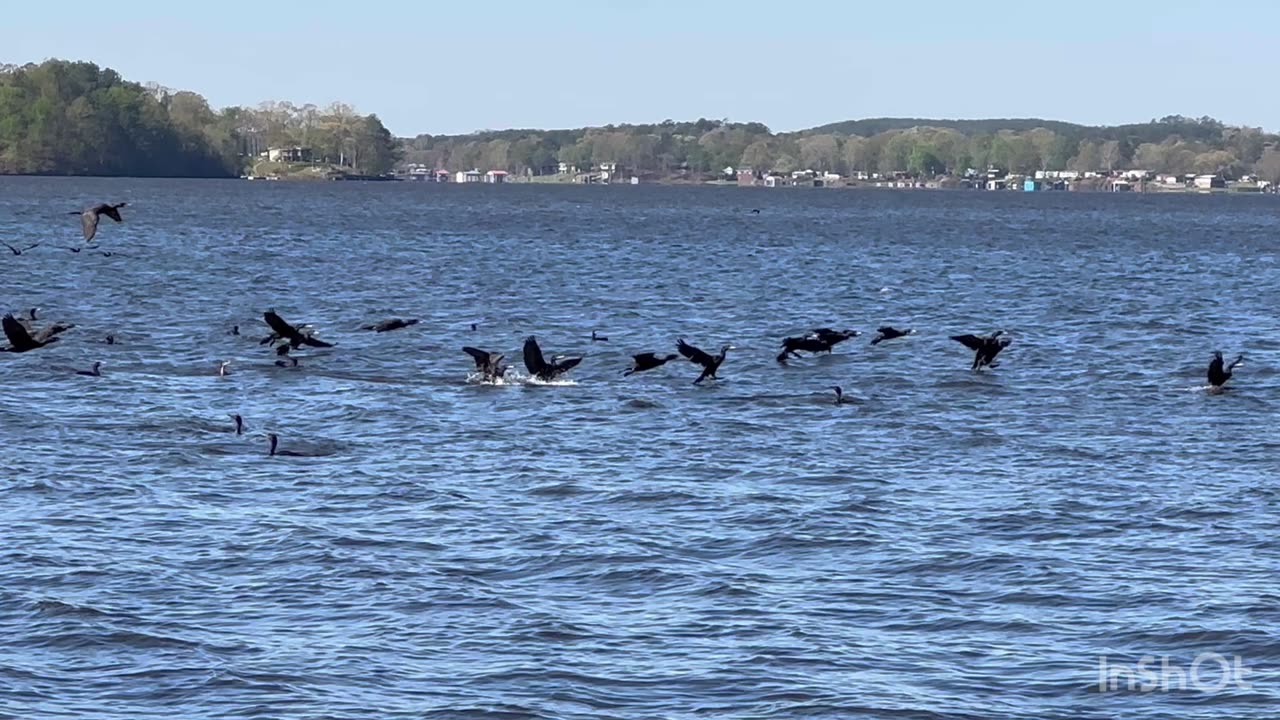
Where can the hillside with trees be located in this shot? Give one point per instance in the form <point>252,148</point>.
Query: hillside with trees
<point>920,147</point>
<point>74,118</point>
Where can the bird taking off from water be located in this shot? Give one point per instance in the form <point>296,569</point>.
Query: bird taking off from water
<point>19,339</point>
<point>89,218</point>
<point>984,347</point>
<point>288,332</point>
<point>888,332</point>
<point>487,363</point>
<point>710,363</point>
<point>540,368</point>
<point>1218,376</point>
<point>647,361</point>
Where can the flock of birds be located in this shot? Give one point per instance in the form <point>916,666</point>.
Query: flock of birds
<point>24,335</point>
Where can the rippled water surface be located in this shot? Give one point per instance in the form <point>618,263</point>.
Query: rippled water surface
<point>949,545</point>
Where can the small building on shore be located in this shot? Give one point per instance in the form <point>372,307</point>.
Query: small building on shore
<point>469,176</point>
<point>289,154</point>
<point>495,177</point>
<point>1209,182</point>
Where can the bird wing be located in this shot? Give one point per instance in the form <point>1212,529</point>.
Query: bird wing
<point>973,342</point>
<point>18,336</point>
<point>11,248</point>
<point>279,326</point>
<point>567,364</point>
<point>481,357</point>
<point>533,361</point>
<point>313,342</point>
<point>645,358</point>
<point>89,224</point>
<point>111,211</point>
<point>693,353</point>
<point>1215,369</point>
<point>43,335</point>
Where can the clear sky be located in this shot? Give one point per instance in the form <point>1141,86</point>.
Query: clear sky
<point>440,66</point>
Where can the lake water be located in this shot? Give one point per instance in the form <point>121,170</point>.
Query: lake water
<point>950,545</point>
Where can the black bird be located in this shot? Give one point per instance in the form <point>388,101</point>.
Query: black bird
<point>889,333</point>
<point>792,346</point>
<point>292,362</point>
<point>598,338</point>
<point>89,218</point>
<point>95,372</point>
<point>840,398</point>
<point>539,367</point>
<point>984,347</point>
<point>710,363</point>
<point>1218,376</point>
<point>391,324</point>
<point>110,340</point>
<point>275,440</point>
<point>488,363</point>
<point>19,339</point>
<point>834,337</point>
<point>755,211</point>
<point>282,349</point>
<point>235,330</point>
<point>239,423</point>
<point>78,249</point>
<point>647,361</point>
<point>222,368</point>
<point>19,251</point>
<point>473,327</point>
<point>285,331</point>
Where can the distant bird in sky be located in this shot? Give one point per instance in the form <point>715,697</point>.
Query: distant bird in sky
<point>1218,376</point>
<point>984,347</point>
<point>889,333</point>
<point>96,371</point>
<point>540,368</point>
<point>487,363</point>
<point>89,218</point>
<point>19,251</point>
<point>710,363</point>
<point>647,361</point>
<point>391,324</point>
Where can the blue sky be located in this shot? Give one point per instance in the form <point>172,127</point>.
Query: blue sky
<point>450,67</point>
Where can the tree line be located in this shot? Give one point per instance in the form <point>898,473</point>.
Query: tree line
<point>927,148</point>
<point>74,118</point>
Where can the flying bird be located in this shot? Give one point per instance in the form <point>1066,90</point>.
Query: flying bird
<point>889,333</point>
<point>710,363</point>
<point>487,363</point>
<point>984,347</point>
<point>19,251</point>
<point>791,346</point>
<point>19,339</point>
<point>89,218</point>
<point>834,337</point>
<point>296,336</point>
<point>391,324</point>
<point>647,361</point>
<point>1218,376</point>
<point>540,368</point>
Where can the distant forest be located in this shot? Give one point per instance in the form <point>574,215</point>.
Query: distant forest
<point>920,147</point>
<point>73,118</point>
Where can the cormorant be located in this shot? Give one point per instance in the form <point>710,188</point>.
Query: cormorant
<point>391,324</point>
<point>19,251</point>
<point>222,368</point>
<point>239,423</point>
<point>1218,376</point>
<point>89,218</point>
<point>235,330</point>
<point>539,367</point>
<point>889,333</point>
<point>95,372</point>
<point>78,249</point>
<point>109,340</point>
<point>275,440</point>
<point>295,336</point>
<point>834,337</point>
<point>647,361</point>
<point>19,339</point>
<point>598,338</point>
<point>710,363</point>
<point>984,347</point>
<point>792,345</point>
<point>840,398</point>
<point>755,211</point>
<point>488,363</point>
<point>473,327</point>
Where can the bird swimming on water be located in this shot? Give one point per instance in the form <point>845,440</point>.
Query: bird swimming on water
<point>984,347</point>
<point>487,363</point>
<point>19,339</point>
<point>710,363</point>
<point>647,361</point>
<point>89,218</point>
<point>540,368</point>
<point>96,371</point>
<point>840,398</point>
<point>275,441</point>
<point>1218,376</point>
<point>235,330</point>
<point>222,368</point>
<point>239,423</point>
<point>391,324</point>
<point>888,332</point>
<point>598,338</point>
<point>109,340</point>
<point>295,336</point>
<point>19,251</point>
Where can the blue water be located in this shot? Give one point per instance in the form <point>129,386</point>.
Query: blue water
<point>949,545</point>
